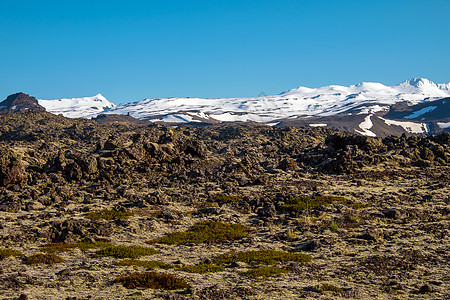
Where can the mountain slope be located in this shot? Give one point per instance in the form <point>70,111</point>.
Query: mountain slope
<point>86,107</point>
<point>325,101</point>
<point>367,108</point>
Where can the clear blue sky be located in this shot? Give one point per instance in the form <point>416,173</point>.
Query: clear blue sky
<point>130,50</point>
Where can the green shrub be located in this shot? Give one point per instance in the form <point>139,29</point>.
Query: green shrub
<point>330,288</point>
<point>65,247</point>
<point>358,205</point>
<point>201,268</point>
<point>302,203</point>
<point>4,253</point>
<point>91,245</point>
<point>268,257</point>
<point>264,272</point>
<point>225,199</point>
<point>126,251</point>
<point>152,280</point>
<point>57,247</point>
<point>109,215</point>
<point>334,227</point>
<point>205,232</point>
<point>44,258</point>
<point>149,264</point>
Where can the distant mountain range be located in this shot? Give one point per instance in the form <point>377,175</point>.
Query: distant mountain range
<point>415,106</point>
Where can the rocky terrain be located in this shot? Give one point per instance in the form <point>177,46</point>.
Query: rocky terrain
<point>219,212</point>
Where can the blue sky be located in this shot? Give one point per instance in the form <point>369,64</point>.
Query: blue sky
<point>130,50</point>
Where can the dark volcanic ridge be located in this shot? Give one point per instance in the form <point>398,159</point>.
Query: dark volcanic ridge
<point>20,102</point>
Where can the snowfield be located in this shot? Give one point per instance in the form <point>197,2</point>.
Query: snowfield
<point>78,107</point>
<point>363,98</point>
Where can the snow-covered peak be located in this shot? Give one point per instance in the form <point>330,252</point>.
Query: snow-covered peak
<point>415,89</point>
<point>419,82</point>
<point>421,86</point>
<point>85,107</point>
<point>444,87</point>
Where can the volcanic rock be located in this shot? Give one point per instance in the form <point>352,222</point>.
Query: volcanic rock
<point>20,102</point>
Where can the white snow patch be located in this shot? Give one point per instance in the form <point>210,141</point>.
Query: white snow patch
<point>86,107</point>
<point>177,118</point>
<point>443,125</point>
<point>410,127</point>
<point>365,126</point>
<point>421,112</point>
<point>373,109</point>
<point>318,125</point>
<point>199,114</point>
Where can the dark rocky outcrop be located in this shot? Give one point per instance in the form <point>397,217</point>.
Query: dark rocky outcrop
<point>12,169</point>
<point>20,102</point>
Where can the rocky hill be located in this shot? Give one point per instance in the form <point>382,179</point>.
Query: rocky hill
<point>121,210</point>
<point>20,102</point>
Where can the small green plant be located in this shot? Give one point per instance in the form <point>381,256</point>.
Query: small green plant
<point>290,235</point>
<point>152,280</point>
<point>149,264</point>
<point>126,251</point>
<point>303,203</point>
<point>44,258</point>
<point>268,257</point>
<point>330,288</point>
<point>334,227</point>
<point>266,271</point>
<point>202,268</point>
<point>4,253</point>
<point>109,215</point>
<point>205,232</point>
<point>225,199</point>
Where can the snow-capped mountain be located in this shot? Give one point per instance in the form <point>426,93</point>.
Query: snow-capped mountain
<point>365,103</point>
<point>86,107</point>
<point>325,101</point>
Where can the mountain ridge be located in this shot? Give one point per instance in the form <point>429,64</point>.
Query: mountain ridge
<point>367,108</point>
<point>328,100</point>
